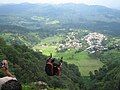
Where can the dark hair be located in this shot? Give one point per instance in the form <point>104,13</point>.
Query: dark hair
<point>53,60</point>
<point>12,85</point>
<point>61,61</point>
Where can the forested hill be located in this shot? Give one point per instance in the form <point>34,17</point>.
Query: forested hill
<point>35,16</point>
<point>28,66</point>
<point>85,35</point>
<point>107,77</point>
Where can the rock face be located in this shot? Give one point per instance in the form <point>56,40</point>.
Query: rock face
<point>40,85</point>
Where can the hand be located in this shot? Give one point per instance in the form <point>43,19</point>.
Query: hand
<point>4,65</point>
<point>50,55</point>
<point>61,58</point>
<point>5,69</point>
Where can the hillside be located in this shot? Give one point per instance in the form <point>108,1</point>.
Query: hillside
<point>107,77</point>
<point>74,48</point>
<point>27,64</point>
<point>86,36</point>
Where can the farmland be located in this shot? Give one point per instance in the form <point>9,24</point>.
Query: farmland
<point>81,59</point>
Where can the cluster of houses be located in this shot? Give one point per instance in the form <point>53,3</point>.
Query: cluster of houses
<point>70,42</point>
<point>94,40</point>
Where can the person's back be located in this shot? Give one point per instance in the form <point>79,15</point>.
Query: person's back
<point>49,67</point>
<point>57,68</point>
<point>53,68</point>
<point>11,85</point>
<point>5,79</point>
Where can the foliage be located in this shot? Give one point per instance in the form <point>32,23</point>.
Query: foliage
<point>108,77</point>
<point>82,59</point>
<point>28,66</point>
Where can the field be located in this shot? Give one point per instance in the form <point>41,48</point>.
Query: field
<point>46,50</point>
<point>51,40</point>
<point>81,59</point>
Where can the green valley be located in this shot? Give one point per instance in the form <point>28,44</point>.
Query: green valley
<point>81,59</point>
<point>86,36</point>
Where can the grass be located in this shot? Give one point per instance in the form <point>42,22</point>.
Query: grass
<point>46,50</point>
<point>84,62</point>
<point>26,87</point>
<point>87,65</point>
<point>52,39</point>
<point>8,37</point>
<point>33,87</point>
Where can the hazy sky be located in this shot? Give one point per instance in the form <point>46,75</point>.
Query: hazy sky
<point>108,3</point>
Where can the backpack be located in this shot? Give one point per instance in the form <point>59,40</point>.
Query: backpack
<point>49,69</point>
<point>55,69</point>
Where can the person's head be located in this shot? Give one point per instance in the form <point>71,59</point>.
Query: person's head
<point>11,85</point>
<point>48,60</point>
<point>61,61</point>
<point>53,60</point>
<point>5,64</point>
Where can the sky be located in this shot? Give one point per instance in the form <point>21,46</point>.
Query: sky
<point>108,3</point>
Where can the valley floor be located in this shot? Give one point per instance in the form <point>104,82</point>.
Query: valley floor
<point>84,62</point>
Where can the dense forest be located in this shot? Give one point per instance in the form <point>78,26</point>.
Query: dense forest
<point>108,76</point>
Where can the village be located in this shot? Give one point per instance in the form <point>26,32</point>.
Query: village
<point>94,41</point>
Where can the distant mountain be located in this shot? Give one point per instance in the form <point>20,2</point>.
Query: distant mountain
<point>93,17</point>
<point>79,10</point>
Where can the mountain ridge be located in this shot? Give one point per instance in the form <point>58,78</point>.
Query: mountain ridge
<point>96,18</point>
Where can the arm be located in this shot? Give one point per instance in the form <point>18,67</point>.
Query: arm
<point>50,55</point>
<point>5,68</point>
<point>61,61</point>
<point>7,72</point>
<point>49,58</point>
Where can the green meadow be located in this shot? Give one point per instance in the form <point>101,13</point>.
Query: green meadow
<point>81,59</point>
